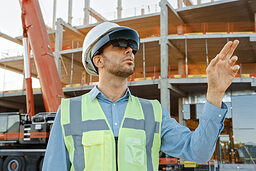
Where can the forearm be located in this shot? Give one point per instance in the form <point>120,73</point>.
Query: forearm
<point>197,146</point>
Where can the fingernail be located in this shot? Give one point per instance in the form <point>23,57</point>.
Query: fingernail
<point>237,67</point>
<point>235,57</point>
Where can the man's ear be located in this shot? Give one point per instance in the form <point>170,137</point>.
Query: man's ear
<point>97,60</point>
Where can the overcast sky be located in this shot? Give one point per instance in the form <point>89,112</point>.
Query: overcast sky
<point>10,23</point>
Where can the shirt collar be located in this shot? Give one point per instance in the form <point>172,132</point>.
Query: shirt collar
<point>95,92</point>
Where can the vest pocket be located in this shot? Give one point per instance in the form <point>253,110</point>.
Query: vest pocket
<point>93,143</point>
<point>135,151</point>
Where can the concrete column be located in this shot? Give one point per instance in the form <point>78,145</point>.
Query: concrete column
<point>119,9</point>
<point>254,21</point>
<point>164,91</point>
<point>144,61</point>
<point>70,12</point>
<point>181,68</point>
<point>180,29</point>
<point>186,57</point>
<point>142,11</point>
<point>72,65</point>
<point>181,115</point>
<point>86,11</point>
<point>206,52</point>
<point>54,14</point>
<point>179,2</point>
<point>58,45</point>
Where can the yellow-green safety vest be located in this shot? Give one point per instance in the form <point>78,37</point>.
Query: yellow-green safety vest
<point>90,141</point>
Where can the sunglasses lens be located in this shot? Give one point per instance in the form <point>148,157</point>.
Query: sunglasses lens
<point>125,44</point>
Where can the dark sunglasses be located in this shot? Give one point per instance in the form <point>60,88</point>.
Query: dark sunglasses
<point>120,43</point>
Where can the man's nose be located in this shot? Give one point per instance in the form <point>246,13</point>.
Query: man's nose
<point>128,50</point>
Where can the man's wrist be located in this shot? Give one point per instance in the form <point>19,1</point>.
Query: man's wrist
<point>215,97</point>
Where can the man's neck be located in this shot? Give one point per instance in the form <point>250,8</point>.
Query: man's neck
<point>112,87</point>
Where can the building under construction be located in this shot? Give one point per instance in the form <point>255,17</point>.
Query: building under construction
<point>176,47</point>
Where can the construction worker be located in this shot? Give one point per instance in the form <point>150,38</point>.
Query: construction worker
<point>110,129</point>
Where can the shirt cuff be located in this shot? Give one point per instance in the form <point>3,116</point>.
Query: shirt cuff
<point>211,112</point>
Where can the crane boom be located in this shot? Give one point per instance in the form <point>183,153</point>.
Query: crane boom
<point>50,82</point>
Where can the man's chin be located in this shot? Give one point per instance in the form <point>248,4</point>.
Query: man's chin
<point>124,74</point>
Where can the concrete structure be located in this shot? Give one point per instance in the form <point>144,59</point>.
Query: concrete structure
<point>176,47</point>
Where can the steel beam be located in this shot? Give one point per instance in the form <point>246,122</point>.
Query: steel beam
<point>68,27</point>
<point>77,63</point>
<point>123,19</point>
<point>206,5</point>
<point>209,36</point>
<point>164,90</point>
<point>71,51</point>
<point>178,53</point>
<point>7,37</point>
<point>204,80</point>
<point>173,12</point>
<point>176,90</point>
<point>150,39</point>
<point>9,104</point>
<point>97,15</point>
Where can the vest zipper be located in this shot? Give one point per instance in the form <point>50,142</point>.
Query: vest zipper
<point>116,139</point>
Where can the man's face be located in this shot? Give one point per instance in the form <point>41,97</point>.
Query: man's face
<point>118,61</point>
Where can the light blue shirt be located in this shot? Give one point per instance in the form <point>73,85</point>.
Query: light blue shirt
<point>176,140</point>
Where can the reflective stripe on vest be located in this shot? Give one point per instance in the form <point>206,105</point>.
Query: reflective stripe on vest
<point>77,125</point>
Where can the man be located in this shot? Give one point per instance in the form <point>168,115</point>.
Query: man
<point>109,129</point>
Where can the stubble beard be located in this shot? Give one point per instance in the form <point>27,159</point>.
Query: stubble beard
<point>120,71</point>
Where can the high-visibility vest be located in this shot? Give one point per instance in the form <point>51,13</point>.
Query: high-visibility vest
<point>90,141</point>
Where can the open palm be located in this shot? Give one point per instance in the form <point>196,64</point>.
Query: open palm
<point>222,69</point>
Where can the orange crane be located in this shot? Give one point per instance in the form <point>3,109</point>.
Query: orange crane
<point>34,28</point>
<point>23,139</point>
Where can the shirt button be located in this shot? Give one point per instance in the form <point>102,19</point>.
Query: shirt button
<point>114,104</point>
<point>219,115</point>
<point>115,124</point>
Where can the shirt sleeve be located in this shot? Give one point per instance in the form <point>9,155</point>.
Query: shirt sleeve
<point>199,145</point>
<point>56,156</point>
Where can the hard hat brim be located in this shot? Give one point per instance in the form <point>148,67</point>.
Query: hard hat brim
<point>118,34</point>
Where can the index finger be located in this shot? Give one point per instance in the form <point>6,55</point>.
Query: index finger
<point>232,49</point>
<point>225,49</point>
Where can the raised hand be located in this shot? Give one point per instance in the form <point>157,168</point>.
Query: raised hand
<point>220,73</point>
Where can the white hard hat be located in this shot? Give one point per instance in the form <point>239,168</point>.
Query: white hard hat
<point>100,35</point>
